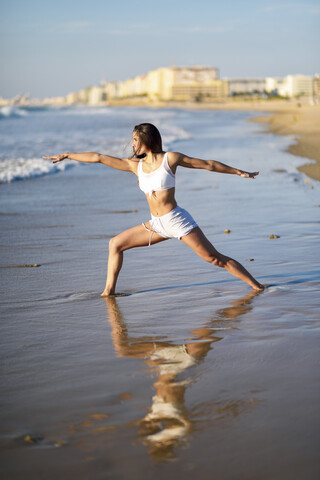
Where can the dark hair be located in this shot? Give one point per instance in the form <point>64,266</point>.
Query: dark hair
<point>149,136</point>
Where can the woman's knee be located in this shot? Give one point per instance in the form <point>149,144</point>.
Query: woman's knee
<point>115,245</point>
<point>217,259</point>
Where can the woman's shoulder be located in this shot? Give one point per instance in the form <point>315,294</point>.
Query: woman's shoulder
<point>173,155</point>
<point>134,164</point>
<point>174,158</point>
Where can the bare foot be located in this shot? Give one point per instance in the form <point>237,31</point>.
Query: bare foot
<point>106,293</point>
<point>259,287</point>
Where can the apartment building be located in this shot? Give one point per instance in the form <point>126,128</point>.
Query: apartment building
<point>173,83</point>
<point>195,83</point>
<point>246,86</point>
<point>291,85</point>
<point>316,85</point>
<point>97,95</point>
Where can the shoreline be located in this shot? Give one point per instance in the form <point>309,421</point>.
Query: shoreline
<point>281,117</point>
<point>304,124</point>
<point>297,118</point>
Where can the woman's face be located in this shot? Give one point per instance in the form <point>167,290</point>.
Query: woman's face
<point>137,147</point>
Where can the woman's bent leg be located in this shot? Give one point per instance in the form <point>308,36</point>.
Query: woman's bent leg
<point>201,245</point>
<point>134,237</point>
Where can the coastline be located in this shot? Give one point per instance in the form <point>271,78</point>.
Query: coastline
<point>295,118</point>
<point>304,124</point>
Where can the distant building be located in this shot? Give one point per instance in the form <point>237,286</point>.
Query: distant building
<point>72,98</point>
<point>249,86</point>
<point>172,83</point>
<point>97,95</point>
<point>58,101</point>
<point>83,95</point>
<point>195,83</point>
<point>316,85</point>
<point>290,86</point>
<point>112,89</point>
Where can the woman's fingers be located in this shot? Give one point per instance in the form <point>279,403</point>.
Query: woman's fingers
<point>53,158</point>
<point>249,174</point>
<point>56,158</point>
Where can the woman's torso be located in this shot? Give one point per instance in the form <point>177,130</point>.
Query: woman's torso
<point>157,181</point>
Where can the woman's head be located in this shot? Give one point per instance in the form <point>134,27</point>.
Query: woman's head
<point>146,136</point>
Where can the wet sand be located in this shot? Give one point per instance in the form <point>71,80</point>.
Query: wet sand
<point>304,124</point>
<point>301,121</point>
<point>191,375</point>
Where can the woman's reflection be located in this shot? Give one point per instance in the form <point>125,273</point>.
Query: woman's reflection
<point>168,421</point>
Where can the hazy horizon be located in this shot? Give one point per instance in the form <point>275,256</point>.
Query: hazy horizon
<point>54,49</point>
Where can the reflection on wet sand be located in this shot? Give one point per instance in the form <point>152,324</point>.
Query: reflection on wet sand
<point>168,420</point>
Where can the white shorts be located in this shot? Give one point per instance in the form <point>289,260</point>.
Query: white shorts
<point>175,224</point>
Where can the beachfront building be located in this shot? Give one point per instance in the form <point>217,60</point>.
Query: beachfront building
<point>17,100</point>
<point>133,87</point>
<point>83,95</point>
<point>195,91</point>
<point>196,83</point>
<point>185,84</point>
<point>172,84</point>
<point>246,86</point>
<point>316,85</point>
<point>57,101</point>
<point>112,89</point>
<point>72,98</point>
<point>290,86</point>
<point>97,95</point>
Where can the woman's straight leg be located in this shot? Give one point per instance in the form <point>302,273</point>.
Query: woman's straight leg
<point>201,245</point>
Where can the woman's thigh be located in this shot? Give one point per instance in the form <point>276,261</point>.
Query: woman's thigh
<point>197,240</point>
<point>136,237</point>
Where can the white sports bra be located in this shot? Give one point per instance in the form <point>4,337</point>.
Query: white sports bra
<point>160,179</point>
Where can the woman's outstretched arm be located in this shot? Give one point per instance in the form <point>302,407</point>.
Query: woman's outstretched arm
<point>124,164</point>
<point>210,165</point>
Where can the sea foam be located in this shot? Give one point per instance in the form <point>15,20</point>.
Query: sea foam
<point>47,131</point>
<point>9,111</point>
<point>22,168</point>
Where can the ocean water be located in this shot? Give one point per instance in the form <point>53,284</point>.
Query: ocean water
<point>191,374</point>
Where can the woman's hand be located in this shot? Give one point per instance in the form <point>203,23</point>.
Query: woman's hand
<point>247,174</point>
<point>57,158</point>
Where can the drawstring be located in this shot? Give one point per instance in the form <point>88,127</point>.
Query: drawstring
<point>149,230</point>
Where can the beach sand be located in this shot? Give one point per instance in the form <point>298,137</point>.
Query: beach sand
<point>304,124</point>
<point>293,118</point>
<point>300,120</point>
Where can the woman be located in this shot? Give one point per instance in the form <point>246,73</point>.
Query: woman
<point>156,174</point>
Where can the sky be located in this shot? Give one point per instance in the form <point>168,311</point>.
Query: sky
<point>52,48</point>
